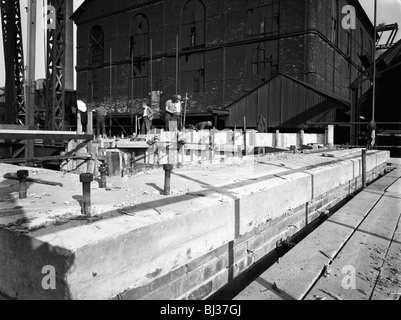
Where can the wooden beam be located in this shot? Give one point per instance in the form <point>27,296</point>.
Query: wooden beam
<point>38,134</point>
<point>221,112</point>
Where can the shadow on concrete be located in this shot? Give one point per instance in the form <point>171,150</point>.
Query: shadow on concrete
<point>11,188</point>
<point>155,186</point>
<point>365,232</point>
<point>78,198</point>
<point>273,288</point>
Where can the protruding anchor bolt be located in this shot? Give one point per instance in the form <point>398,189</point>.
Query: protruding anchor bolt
<point>103,175</point>
<point>167,178</point>
<point>86,179</point>
<point>22,175</point>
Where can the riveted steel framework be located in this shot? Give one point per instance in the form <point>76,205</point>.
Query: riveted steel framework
<point>14,61</point>
<point>56,61</point>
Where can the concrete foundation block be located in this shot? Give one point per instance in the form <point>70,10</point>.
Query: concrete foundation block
<point>263,200</point>
<point>185,246</point>
<point>328,178</point>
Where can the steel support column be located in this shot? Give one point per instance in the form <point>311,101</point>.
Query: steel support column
<point>56,65</point>
<point>14,61</point>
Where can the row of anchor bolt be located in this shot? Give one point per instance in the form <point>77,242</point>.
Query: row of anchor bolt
<point>86,179</point>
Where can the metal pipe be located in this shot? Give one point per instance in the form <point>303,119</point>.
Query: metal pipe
<point>86,179</point>
<point>363,169</point>
<point>22,175</point>
<point>167,178</point>
<point>245,146</point>
<point>374,62</point>
<point>177,65</point>
<point>69,46</point>
<point>111,88</point>
<point>30,80</point>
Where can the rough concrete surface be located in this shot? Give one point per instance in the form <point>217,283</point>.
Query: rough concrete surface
<point>135,233</point>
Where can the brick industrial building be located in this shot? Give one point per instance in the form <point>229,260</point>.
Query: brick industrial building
<point>226,50</point>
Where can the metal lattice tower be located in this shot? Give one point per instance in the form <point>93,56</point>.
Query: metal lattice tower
<point>56,61</point>
<point>14,61</point>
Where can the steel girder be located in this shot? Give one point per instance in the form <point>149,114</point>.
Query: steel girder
<point>14,61</point>
<point>56,61</point>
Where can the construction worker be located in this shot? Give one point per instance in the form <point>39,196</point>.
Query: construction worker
<point>173,113</point>
<point>147,118</point>
<point>101,112</point>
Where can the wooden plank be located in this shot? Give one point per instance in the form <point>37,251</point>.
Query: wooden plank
<point>37,134</point>
<point>383,184</point>
<point>364,253</point>
<point>82,165</point>
<point>229,149</point>
<point>126,144</point>
<point>388,286</point>
<point>114,164</point>
<point>305,262</point>
<point>395,187</point>
<point>68,167</point>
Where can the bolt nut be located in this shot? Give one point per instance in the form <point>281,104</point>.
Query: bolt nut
<point>168,167</point>
<point>22,174</point>
<point>86,177</point>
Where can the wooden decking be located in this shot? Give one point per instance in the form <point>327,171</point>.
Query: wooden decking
<point>354,255</point>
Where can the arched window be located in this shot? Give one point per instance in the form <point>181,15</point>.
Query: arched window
<point>263,18</point>
<point>139,39</point>
<point>259,60</point>
<point>96,44</point>
<point>193,24</point>
<point>261,63</point>
<point>139,49</point>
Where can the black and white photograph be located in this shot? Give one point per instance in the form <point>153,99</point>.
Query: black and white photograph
<point>202,155</point>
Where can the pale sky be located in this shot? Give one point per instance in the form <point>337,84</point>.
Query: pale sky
<point>389,11</point>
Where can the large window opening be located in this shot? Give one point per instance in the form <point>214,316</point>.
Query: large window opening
<point>193,25</point>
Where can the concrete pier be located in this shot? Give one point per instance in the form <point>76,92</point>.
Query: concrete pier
<point>140,244</point>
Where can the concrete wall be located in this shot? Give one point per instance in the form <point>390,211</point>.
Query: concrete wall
<point>198,244</point>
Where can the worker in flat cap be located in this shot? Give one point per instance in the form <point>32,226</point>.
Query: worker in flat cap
<point>173,113</point>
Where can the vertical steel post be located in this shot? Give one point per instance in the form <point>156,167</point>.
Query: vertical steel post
<point>86,179</point>
<point>167,178</point>
<point>30,79</point>
<point>245,146</point>
<point>22,175</point>
<point>374,62</point>
<point>363,169</point>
